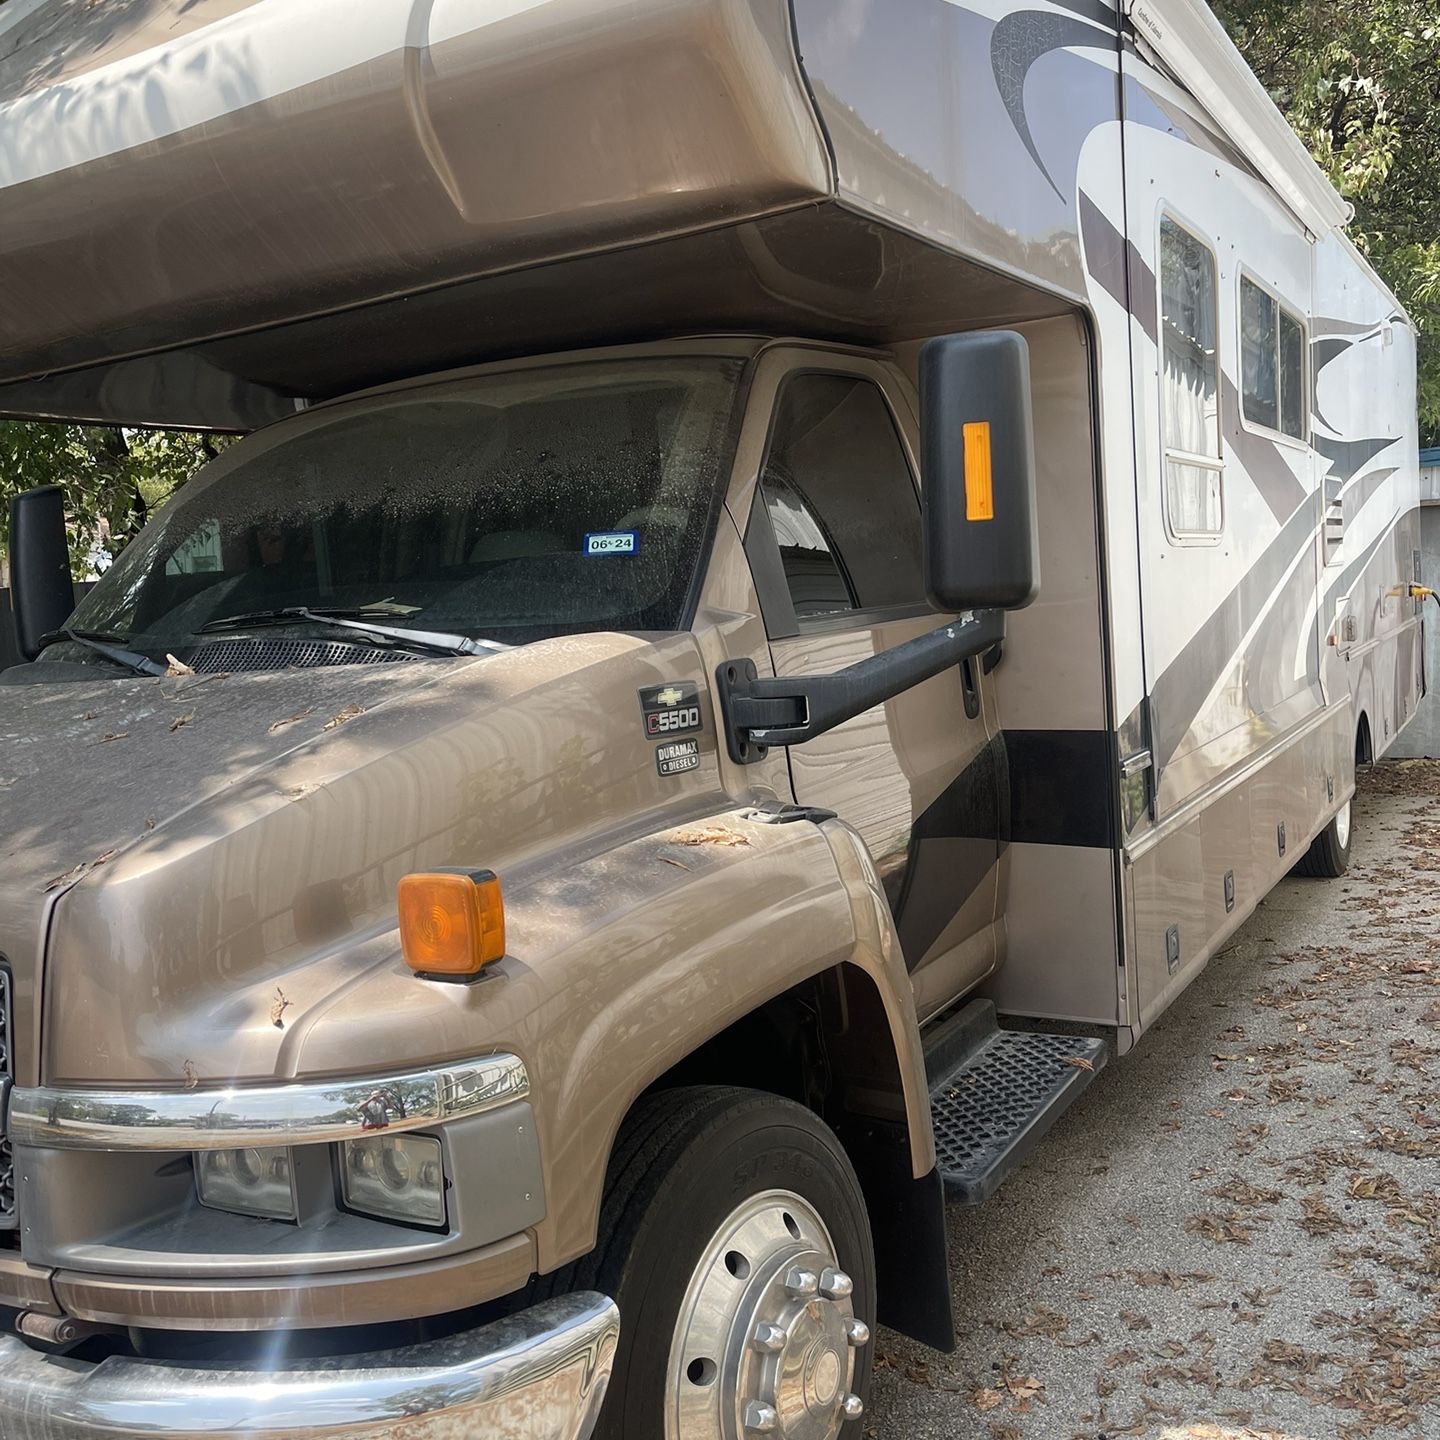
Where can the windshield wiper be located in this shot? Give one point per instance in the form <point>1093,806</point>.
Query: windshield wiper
<point>101,643</point>
<point>347,620</point>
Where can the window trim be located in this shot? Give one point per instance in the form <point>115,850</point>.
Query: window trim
<point>1254,427</point>
<point>777,608</point>
<point>1190,538</point>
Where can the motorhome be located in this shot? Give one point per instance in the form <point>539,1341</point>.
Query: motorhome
<point>793,570</point>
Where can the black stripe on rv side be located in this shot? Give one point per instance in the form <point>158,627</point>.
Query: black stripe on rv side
<point>1062,787</point>
<point>954,845</point>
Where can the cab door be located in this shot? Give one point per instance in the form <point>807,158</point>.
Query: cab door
<point>833,538</point>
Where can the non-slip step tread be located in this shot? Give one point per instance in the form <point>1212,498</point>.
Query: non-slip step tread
<point>990,1110</point>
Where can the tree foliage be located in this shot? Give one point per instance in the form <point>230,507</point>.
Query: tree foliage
<point>1360,82</point>
<point>112,478</point>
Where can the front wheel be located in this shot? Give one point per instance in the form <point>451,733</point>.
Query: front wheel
<point>734,1239</point>
<point>1328,857</point>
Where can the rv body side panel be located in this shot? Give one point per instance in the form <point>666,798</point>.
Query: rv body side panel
<point>1251,701</point>
<point>1366,438</point>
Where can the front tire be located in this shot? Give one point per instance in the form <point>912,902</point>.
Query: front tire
<point>1328,857</point>
<point>735,1240</point>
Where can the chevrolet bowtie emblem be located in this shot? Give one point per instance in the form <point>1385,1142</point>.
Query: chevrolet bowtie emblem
<point>672,696</point>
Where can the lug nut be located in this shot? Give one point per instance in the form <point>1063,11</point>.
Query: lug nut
<point>761,1419</point>
<point>857,1332</point>
<point>852,1407</point>
<point>836,1285</point>
<point>768,1338</point>
<point>801,1284</point>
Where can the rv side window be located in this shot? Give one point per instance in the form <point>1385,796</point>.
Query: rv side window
<point>1272,362</point>
<point>1194,472</point>
<point>841,500</point>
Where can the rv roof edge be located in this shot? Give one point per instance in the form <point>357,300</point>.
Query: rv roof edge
<point>1195,48</point>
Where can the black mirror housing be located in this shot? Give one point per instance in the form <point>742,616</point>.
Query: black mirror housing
<point>982,545</point>
<point>42,595</point>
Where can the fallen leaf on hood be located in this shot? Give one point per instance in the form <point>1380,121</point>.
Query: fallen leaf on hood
<point>278,1008</point>
<point>177,667</point>
<point>179,721</point>
<point>709,835</point>
<point>76,871</point>
<point>291,719</point>
<point>192,1079</point>
<point>348,713</point>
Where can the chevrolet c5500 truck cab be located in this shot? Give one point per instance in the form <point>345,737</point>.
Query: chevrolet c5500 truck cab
<point>791,572</point>
<point>490,642</point>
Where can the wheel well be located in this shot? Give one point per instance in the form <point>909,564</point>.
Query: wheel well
<point>827,1044</point>
<point>1364,745</point>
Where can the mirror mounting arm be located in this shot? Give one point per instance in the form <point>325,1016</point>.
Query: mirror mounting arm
<point>760,711</point>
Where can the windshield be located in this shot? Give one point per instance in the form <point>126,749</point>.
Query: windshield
<point>511,507</point>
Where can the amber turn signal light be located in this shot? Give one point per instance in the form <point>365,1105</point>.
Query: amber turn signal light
<point>452,922</point>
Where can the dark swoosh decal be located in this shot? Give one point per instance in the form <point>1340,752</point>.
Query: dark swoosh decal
<point>1351,573</point>
<point>1020,39</point>
<point>1179,693</point>
<point>1326,349</point>
<point>1144,107</point>
<point>1098,11</point>
<point>1347,457</point>
<point>1118,267</point>
<point>1263,462</point>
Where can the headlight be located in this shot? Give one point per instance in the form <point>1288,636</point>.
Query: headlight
<point>248,1182</point>
<point>394,1177</point>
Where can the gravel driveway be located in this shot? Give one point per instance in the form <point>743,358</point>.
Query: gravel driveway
<point>1236,1231</point>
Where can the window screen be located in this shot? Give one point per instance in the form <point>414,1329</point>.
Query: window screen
<point>1194,496</point>
<point>1272,362</point>
<point>840,498</point>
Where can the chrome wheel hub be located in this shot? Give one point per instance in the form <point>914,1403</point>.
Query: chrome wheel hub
<point>766,1337</point>
<point>1342,825</point>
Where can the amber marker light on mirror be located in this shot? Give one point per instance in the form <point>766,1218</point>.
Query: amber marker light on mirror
<point>452,923</point>
<point>979,479</point>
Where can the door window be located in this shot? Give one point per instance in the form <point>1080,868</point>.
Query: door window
<point>840,499</point>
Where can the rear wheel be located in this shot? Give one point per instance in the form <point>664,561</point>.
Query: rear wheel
<point>1329,854</point>
<point>734,1239</point>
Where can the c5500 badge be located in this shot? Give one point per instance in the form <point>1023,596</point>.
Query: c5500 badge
<point>672,709</point>
<point>677,757</point>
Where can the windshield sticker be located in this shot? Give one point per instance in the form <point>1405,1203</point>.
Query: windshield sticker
<point>677,757</point>
<point>612,542</point>
<point>672,709</point>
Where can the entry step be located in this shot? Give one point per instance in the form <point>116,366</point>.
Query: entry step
<point>994,1093</point>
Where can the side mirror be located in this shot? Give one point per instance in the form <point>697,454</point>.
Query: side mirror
<point>42,594</point>
<point>982,549</point>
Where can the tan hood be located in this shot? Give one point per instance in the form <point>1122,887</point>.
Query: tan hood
<point>215,860</point>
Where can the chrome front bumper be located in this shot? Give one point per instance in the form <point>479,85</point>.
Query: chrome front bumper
<point>539,1375</point>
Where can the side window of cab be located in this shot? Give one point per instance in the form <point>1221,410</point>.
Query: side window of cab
<point>840,502</point>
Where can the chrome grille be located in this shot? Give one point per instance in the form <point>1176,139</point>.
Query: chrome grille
<point>232,655</point>
<point>7,1160</point>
